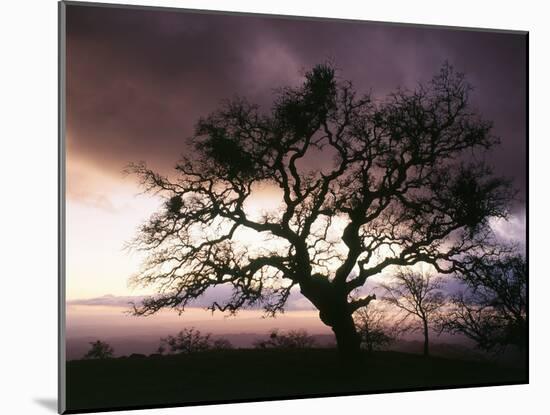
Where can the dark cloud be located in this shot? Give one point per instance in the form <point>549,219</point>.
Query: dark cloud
<point>137,80</point>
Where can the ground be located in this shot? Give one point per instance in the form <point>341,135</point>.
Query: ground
<point>240,375</point>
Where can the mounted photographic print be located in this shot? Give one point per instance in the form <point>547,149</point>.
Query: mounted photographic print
<point>258,207</point>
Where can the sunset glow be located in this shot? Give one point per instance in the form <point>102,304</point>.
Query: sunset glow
<point>137,100</point>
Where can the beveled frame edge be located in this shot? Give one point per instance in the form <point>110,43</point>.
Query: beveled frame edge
<point>289,17</point>
<point>61,240</point>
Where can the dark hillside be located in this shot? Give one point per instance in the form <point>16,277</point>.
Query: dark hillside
<point>238,375</point>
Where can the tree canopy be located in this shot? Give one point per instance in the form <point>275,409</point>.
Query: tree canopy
<point>492,309</point>
<point>418,295</point>
<point>365,185</point>
<point>99,350</point>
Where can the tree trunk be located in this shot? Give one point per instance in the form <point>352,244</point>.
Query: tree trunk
<point>334,312</point>
<point>426,340</point>
<point>348,340</point>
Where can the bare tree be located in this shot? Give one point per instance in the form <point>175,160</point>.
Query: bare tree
<point>419,295</point>
<point>99,350</point>
<point>395,193</point>
<point>292,339</point>
<point>375,328</point>
<point>189,340</point>
<point>222,344</point>
<point>492,310</point>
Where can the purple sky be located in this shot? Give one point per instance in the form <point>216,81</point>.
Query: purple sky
<point>138,80</point>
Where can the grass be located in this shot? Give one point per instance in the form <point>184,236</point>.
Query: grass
<point>240,375</point>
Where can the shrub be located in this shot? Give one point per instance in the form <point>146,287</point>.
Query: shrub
<point>191,340</point>
<point>99,350</point>
<point>293,339</point>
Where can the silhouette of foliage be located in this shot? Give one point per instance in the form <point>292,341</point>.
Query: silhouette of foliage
<point>137,356</point>
<point>190,340</point>
<point>374,327</point>
<point>187,341</point>
<point>292,339</point>
<point>222,344</point>
<point>419,296</point>
<point>395,194</point>
<point>492,311</point>
<point>99,350</point>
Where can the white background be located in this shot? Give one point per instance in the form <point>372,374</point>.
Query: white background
<point>28,204</point>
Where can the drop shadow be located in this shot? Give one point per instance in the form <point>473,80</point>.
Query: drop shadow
<point>48,403</point>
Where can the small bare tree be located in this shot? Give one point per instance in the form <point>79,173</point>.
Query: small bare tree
<point>418,295</point>
<point>374,327</point>
<point>222,344</point>
<point>293,339</point>
<point>189,340</point>
<point>99,350</point>
<point>492,310</point>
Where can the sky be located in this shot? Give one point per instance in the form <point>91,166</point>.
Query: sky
<point>138,80</point>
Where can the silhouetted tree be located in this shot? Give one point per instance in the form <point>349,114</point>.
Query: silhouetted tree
<point>375,328</point>
<point>187,341</point>
<point>99,350</point>
<point>395,194</point>
<point>292,339</point>
<point>492,311</point>
<point>190,340</point>
<point>419,296</point>
<point>222,344</point>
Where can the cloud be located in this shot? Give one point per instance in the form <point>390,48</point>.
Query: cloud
<point>154,73</point>
<point>107,300</point>
<point>138,80</point>
<point>88,185</point>
<point>512,230</point>
<point>97,201</point>
<point>296,301</point>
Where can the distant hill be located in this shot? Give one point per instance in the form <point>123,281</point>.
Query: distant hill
<point>147,344</point>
